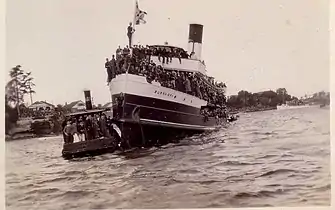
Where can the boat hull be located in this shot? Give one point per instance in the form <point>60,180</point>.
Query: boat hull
<point>151,114</point>
<point>149,121</point>
<point>89,148</point>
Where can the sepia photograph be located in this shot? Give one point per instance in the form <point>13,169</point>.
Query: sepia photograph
<point>152,104</point>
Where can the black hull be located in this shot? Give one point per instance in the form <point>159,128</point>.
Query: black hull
<point>89,148</point>
<point>148,121</point>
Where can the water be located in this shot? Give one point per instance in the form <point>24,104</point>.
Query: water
<point>271,158</point>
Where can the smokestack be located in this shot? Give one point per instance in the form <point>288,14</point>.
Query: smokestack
<point>195,40</point>
<point>88,99</point>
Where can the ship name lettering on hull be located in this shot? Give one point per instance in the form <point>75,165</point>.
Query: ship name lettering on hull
<point>165,94</point>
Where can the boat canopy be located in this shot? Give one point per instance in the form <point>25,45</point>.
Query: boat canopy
<point>168,47</point>
<point>94,111</point>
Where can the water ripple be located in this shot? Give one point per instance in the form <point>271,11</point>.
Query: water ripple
<point>263,159</point>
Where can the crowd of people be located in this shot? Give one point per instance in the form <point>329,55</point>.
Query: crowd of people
<point>87,127</point>
<point>137,60</point>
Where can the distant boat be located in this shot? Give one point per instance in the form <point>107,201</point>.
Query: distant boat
<point>285,106</point>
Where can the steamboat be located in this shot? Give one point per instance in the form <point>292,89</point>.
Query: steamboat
<point>149,112</point>
<point>148,106</point>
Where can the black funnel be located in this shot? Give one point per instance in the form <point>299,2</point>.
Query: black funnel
<point>195,33</point>
<point>88,100</point>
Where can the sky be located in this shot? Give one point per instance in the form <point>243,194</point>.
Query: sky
<point>252,45</point>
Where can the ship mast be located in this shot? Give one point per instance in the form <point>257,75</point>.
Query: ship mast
<point>134,22</point>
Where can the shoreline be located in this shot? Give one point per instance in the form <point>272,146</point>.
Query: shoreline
<point>22,136</point>
<point>251,109</point>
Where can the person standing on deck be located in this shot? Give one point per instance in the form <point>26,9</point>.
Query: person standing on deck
<point>67,131</point>
<point>73,130</point>
<point>96,129</point>
<point>103,126</point>
<point>187,84</point>
<point>113,67</point>
<point>81,130</point>
<point>89,127</point>
<point>197,86</point>
<point>63,126</point>
<point>130,31</point>
<point>109,70</point>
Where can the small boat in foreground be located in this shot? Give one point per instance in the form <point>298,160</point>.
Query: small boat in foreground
<point>89,148</point>
<point>93,143</point>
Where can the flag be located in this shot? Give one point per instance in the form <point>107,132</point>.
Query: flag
<point>139,15</point>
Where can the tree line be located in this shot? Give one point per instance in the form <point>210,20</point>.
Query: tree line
<point>261,99</point>
<point>271,98</point>
<point>321,97</point>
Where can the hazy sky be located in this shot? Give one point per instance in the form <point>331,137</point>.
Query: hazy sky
<point>249,44</point>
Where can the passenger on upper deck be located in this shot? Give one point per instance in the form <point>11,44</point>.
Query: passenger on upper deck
<point>196,84</point>
<point>109,70</point>
<point>118,53</point>
<point>130,31</point>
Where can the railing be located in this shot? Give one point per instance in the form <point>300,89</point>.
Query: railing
<point>184,65</point>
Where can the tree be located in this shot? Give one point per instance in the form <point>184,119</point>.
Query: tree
<point>281,91</point>
<point>28,82</point>
<point>245,96</point>
<point>234,101</point>
<point>19,85</point>
<point>282,94</point>
<point>11,115</point>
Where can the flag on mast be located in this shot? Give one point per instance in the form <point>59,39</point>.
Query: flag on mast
<point>139,15</point>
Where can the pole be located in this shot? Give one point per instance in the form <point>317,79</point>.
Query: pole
<point>31,97</point>
<point>134,23</point>
<point>17,97</point>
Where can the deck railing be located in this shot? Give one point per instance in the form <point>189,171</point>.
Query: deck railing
<point>185,64</point>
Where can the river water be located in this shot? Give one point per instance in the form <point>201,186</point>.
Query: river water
<point>272,158</point>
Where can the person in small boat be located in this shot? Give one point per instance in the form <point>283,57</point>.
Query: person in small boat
<point>103,126</point>
<point>74,130</point>
<point>69,132</point>
<point>81,130</point>
<point>89,127</point>
<point>64,123</point>
<point>95,126</point>
<point>109,122</point>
